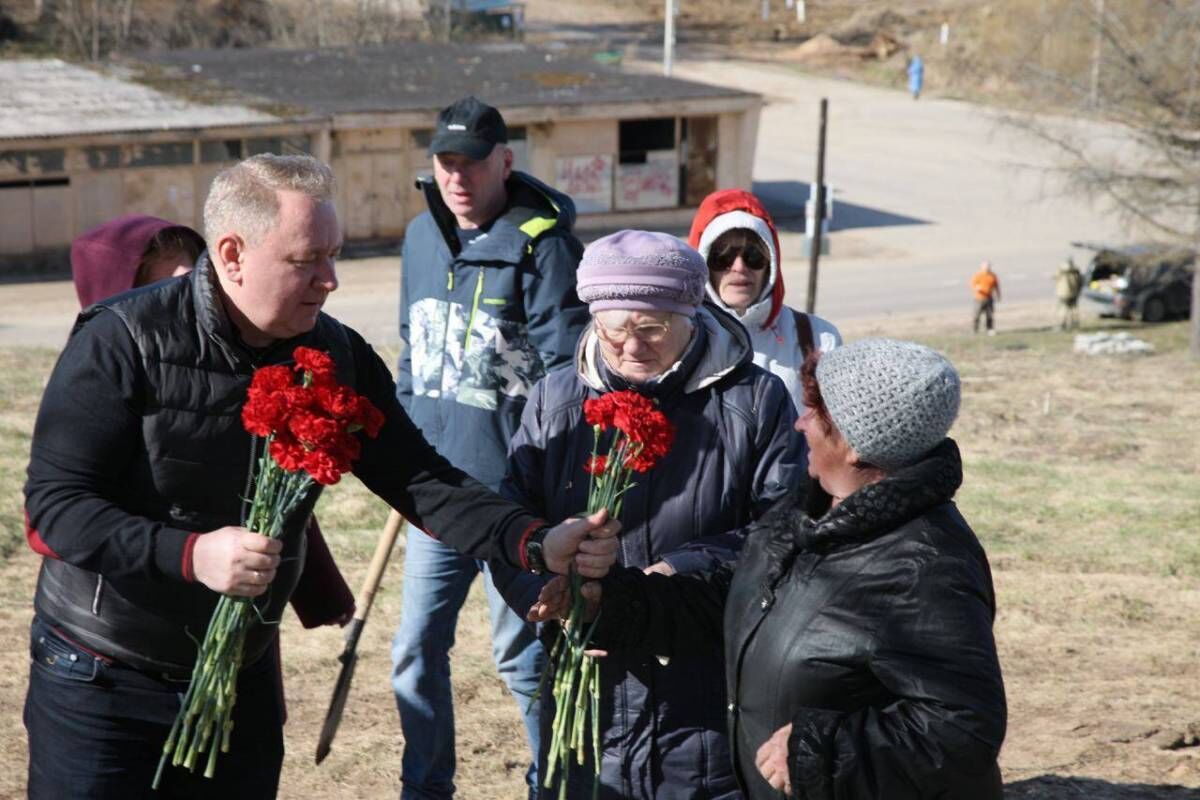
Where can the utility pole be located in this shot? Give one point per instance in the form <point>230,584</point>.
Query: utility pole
<point>818,217</point>
<point>1194,343</point>
<point>95,30</point>
<point>668,37</point>
<point>1095,94</point>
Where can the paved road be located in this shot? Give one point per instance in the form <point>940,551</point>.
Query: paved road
<point>924,191</point>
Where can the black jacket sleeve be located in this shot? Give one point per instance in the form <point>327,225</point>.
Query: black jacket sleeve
<point>935,652</point>
<point>674,616</point>
<point>409,474</point>
<point>87,435</point>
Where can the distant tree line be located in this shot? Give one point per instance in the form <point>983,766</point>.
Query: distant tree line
<point>91,30</point>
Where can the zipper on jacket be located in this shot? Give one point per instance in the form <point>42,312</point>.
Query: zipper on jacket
<point>246,501</point>
<point>96,596</point>
<point>474,308</point>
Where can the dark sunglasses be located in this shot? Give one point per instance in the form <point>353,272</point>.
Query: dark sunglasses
<point>752,257</point>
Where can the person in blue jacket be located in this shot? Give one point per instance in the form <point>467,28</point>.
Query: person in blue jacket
<point>916,76</point>
<point>487,308</point>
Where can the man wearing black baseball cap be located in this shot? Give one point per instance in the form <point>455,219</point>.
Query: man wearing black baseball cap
<point>488,306</point>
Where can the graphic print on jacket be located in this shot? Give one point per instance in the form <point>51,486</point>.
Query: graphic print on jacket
<point>492,356</point>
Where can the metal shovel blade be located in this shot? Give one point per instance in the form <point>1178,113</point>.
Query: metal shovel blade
<point>341,690</point>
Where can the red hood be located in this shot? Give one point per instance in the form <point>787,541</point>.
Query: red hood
<point>104,261</point>
<point>724,201</point>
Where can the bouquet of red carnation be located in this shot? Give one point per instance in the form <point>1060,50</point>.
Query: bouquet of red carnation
<point>309,427</point>
<point>641,436</point>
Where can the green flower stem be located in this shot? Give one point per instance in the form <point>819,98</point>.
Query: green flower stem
<point>576,680</point>
<point>204,724</point>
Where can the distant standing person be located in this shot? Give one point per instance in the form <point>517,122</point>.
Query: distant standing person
<point>986,287</point>
<point>916,76</point>
<point>487,308</point>
<point>1068,283</point>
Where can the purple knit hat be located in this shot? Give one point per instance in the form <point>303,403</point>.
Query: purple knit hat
<point>641,271</point>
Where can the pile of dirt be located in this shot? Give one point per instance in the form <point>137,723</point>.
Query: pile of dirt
<point>867,25</point>
<point>825,49</point>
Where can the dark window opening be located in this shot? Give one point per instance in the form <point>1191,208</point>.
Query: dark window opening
<point>422,137</point>
<point>103,157</point>
<point>34,183</point>
<point>279,145</point>
<point>220,152</point>
<point>636,137</point>
<point>164,154</point>
<point>29,162</point>
<point>698,161</point>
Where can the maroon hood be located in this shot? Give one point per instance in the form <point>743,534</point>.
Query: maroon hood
<point>104,261</point>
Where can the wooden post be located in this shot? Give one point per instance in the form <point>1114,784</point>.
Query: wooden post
<point>1194,344</point>
<point>668,37</point>
<point>818,194</point>
<point>1096,53</point>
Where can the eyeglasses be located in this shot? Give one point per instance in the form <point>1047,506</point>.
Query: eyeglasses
<point>650,333</point>
<point>754,259</point>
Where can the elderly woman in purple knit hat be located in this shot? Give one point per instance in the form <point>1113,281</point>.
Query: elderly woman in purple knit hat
<point>663,728</point>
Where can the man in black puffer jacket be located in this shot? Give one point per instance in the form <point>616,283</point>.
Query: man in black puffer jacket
<point>138,471</point>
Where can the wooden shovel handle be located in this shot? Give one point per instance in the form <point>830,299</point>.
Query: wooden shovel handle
<point>383,550</point>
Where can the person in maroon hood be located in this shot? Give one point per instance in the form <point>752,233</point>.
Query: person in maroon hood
<point>137,250</point>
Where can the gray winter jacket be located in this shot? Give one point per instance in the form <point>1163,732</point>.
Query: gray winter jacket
<point>735,452</point>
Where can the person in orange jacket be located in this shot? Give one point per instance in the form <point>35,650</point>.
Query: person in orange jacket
<point>986,287</point>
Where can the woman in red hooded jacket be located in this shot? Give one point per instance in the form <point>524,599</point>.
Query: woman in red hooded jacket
<point>737,237</point>
<point>136,250</point>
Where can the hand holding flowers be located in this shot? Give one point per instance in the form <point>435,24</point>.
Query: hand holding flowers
<point>640,436</point>
<point>587,545</point>
<point>309,431</point>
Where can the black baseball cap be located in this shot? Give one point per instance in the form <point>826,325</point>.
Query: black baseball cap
<point>470,127</point>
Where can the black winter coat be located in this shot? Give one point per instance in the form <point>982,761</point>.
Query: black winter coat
<point>139,447</point>
<point>867,627</point>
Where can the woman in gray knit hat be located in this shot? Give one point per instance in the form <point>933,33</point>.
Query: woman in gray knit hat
<point>857,625</point>
<point>735,454</point>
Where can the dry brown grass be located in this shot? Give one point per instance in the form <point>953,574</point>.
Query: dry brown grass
<point>1082,478</point>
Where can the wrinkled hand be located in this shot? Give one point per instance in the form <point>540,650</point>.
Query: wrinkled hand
<point>772,760</point>
<point>554,600</point>
<point>660,567</point>
<point>234,561</point>
<point>588,543</point>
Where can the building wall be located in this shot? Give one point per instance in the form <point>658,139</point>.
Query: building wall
<point>642,164</point>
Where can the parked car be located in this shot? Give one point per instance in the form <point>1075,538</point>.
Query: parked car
<point>1150,282</point>
<point>482,17</point>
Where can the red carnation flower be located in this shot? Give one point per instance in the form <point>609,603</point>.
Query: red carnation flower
<point>595,465</point>
<point>287,452</point>
<point>317,364</point>
<point>599,411</point>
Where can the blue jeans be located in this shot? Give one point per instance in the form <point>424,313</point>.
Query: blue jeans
<point>436,581</point>
<point>97,728</point>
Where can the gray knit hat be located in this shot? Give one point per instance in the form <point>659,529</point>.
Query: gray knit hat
<point>892,401</point>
